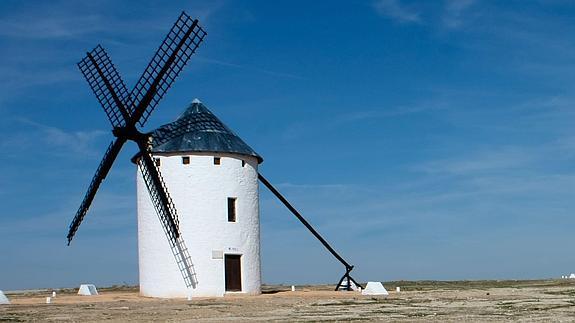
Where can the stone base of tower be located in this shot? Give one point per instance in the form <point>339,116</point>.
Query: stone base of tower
<point>211,277</point>
<point>194,293</point>
<point>211,282</point>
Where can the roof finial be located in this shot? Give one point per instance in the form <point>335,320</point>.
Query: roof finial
<point>196,100</point>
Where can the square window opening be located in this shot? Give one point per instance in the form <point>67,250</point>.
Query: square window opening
<point>157,161</point>
<point>232,209</point>
<point>186,160</point>
<point>217,160</point>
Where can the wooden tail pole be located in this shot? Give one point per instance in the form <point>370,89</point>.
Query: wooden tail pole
<point>348,267</point>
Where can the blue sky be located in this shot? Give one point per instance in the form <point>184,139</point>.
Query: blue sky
<point>424,139</point>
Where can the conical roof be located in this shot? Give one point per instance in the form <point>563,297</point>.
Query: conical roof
<point>199,130</point>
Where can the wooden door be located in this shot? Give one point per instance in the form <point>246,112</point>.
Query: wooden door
<point>233,273</point>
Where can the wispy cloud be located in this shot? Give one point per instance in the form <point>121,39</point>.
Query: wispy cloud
<point>247,68</point>
<point>453,16</point>
<point>315,186</point>
<point>450,14</point>
<point>51,26</point>
<point>304,127</point>
<point>20,77</point>
<point>40,46</point>
<point>491,160</point>
<point>41,22</point>
<point>109,211</point>
<point>59,141</point>
<point>397,11</point>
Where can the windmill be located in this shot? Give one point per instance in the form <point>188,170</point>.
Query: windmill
<point>126,110</point>
<point>206,164</point>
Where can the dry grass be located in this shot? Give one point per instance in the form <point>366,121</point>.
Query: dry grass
<point>540,300</point>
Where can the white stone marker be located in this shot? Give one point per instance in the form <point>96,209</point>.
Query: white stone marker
<point>48,300</point>
<point>374,288</point>
<point>3,299</point>
<point>87,290</point>
<point>292,288</point>
<point>53,294</point>
<point>397,289</point>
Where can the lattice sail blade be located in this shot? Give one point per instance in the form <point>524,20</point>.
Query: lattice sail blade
<point>107,85</point>
<point>101,173</point>
<point>169,60</point>
<point>167,215</point>
<point>159,194</point>
<point>184,262</point>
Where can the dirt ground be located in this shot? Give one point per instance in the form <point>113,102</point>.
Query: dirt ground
<point>481,301</point>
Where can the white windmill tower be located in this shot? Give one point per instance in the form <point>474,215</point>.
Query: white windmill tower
<point>213,179</point>
<point>212,174</point>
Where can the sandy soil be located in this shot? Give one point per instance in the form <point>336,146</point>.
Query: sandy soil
<point>544,301</point>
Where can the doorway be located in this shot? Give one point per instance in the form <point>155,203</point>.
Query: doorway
<point>233,270</point>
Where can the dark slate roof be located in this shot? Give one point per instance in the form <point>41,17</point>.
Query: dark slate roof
<point>199,130</point>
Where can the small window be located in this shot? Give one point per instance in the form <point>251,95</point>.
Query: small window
<point>157,161</point>
<point>243,163</point>
<point>231,209</point>
<point>217,160</point>
<point>186,160</point>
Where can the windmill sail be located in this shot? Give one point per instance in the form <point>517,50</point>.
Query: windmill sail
<point>125,109</point>
<point>168,217</point>
<point>170,58</point>
<point>101,173</point>
<point>106,84</point>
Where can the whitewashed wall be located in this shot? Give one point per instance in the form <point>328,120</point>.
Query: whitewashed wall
<point>200,191</point>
